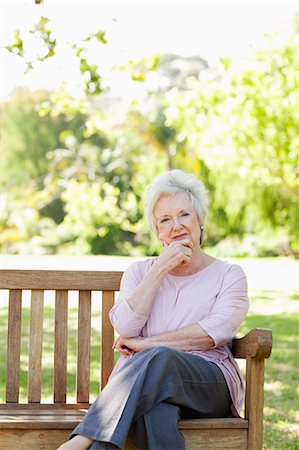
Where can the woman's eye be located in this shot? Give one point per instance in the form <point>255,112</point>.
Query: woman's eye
<point>185,214</point>
<point>164,220</point>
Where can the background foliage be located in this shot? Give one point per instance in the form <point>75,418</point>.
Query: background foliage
<point>74,169</point>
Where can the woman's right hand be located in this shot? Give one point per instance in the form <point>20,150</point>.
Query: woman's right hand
<point>175,254</point>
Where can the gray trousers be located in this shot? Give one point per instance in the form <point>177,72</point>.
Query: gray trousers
<point>148,396</point>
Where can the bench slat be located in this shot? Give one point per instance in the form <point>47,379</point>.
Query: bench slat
<point>83,354</point>
<point>18,408</point>
<point>107,338</point>
<point>207,439</point>
<point>35,346</point>
<point>41,418</point>
<point>60,346</point>
<point>223,423</point>
<point>32,417</point>
<point>60,279</point>
<point>13,346</point>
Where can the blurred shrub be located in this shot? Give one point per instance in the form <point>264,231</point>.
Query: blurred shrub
<point>251,245</point>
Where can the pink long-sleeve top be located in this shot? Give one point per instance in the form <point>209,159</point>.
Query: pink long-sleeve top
<point>216,298</point>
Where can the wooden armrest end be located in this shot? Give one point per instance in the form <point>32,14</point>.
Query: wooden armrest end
<point>257,344</point>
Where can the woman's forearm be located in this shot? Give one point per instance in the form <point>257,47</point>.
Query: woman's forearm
<point>141,300</point>
<point>191,337</point>
<point>130,316</point>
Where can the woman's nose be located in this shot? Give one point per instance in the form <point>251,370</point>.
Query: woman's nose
<point>176,224</point>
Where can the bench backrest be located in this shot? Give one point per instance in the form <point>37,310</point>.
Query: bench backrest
<point>61,282</point>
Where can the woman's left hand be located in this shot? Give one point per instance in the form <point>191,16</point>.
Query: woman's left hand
<point>129,346</point>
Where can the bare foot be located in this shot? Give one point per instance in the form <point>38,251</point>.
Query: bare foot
<point>78,442</point>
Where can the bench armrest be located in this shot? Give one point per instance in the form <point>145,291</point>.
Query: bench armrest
<point>257,344</point>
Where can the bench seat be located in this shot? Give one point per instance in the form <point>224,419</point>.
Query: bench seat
<point>45,426</point>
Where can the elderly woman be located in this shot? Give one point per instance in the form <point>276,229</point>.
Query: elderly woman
<point>176,316</point>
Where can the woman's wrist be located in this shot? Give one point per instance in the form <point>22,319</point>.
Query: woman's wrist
<point>159,269</point>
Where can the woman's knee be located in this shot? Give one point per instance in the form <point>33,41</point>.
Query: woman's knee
<point>164,353</point>
<point>160,353</point>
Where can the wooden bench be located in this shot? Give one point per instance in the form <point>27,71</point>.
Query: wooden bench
<point>35,425</point>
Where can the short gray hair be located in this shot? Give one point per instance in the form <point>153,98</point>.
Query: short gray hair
<point>173,182</point>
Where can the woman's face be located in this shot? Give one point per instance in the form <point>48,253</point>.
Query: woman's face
<point>176,219</point>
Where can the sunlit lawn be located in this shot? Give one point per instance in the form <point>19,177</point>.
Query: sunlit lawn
<point>275,309</point>
<point>279,311</point>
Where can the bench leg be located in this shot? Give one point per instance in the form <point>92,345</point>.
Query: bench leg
<point>254,402</point>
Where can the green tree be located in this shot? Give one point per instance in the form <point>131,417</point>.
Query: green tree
<point>243,125</point>
<point>28,136</point>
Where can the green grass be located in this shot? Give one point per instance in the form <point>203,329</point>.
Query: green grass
<point>277,310</point>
